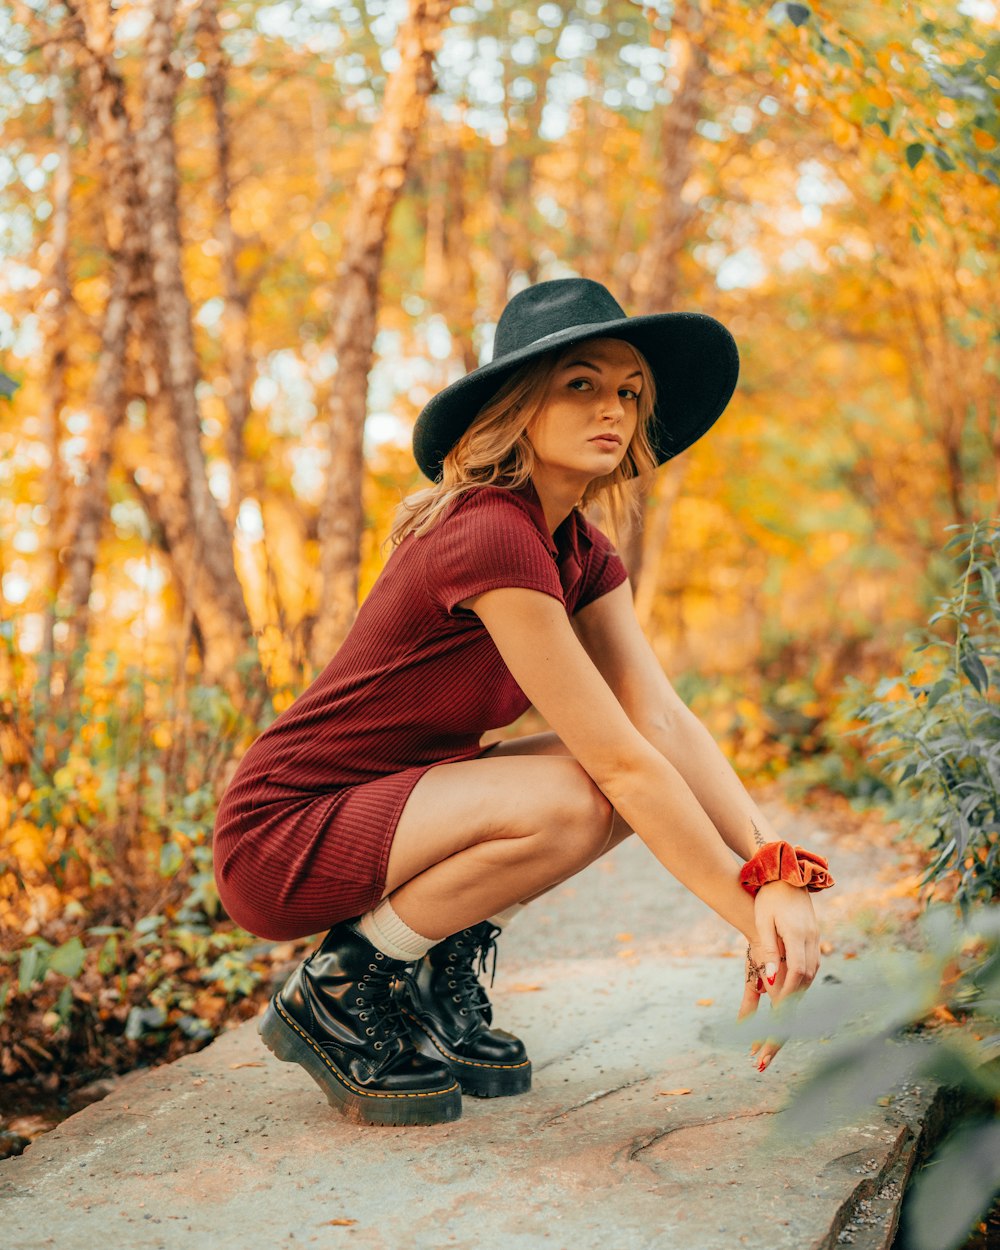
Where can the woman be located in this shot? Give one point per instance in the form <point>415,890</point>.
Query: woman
<point>369,808</point>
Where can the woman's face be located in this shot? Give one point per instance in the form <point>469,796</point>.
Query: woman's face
<point>590,410</point>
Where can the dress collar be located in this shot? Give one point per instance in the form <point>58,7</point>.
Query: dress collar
<point>564,544</point>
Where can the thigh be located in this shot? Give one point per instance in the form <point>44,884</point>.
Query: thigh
<point>547,743</point>
<point>454,806</point>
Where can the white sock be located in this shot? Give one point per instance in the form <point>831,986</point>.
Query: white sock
<point>503,918</point>
<point>391,935</point>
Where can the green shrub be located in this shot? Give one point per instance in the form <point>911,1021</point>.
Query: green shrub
<point>937,727</point>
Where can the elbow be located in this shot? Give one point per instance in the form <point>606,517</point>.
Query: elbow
<point>662,724</point>
<point>622,774</point>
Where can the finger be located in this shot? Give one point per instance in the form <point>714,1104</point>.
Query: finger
<point>798,976</point>
<point>813,953</point>
<point>769,953</point>
<point>766,1053</point>
<point>750,1003</point>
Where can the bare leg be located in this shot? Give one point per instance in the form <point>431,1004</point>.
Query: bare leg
<point>476,836</point>
<point>549,743</point>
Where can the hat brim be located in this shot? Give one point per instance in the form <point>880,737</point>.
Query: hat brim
<point>693,357</point>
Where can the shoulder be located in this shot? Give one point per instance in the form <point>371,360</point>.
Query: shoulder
<point>493,514</point>
<point>490,501</point>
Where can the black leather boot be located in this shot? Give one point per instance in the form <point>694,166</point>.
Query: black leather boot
<point>449,1011</point>
<point>336,1016</point>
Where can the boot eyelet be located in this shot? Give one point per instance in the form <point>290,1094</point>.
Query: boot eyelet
<point>451,985</point>
<point>456,998</point>
<point>379,955</point>
<point>378,1045</point>
<point>360,1002</point>
<point>363,1015</point>
<point>463,1012</point>
<point>372,968</point>
<point>370,1032</point>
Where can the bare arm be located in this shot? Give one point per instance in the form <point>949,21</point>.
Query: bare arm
<point>547,660</point>
<point>613,638</point>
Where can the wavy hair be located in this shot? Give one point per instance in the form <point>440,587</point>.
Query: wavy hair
<point>495,451</point>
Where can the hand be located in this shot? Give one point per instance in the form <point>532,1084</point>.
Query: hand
<point>785,957</point>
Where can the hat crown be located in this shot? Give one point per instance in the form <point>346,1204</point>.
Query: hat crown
<point>549,308</point>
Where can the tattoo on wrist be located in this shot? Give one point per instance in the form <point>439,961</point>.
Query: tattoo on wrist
<point>756,834</point>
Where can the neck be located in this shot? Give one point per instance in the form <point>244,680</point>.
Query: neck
<point>558,493</point>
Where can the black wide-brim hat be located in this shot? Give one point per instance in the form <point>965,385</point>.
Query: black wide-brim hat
<point>693,357</point>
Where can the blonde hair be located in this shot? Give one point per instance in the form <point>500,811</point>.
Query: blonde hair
<point>495,451</point>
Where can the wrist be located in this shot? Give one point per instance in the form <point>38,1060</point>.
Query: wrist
<point>782,862</point>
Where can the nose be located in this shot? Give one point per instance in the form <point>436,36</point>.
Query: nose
<point>613,408</point>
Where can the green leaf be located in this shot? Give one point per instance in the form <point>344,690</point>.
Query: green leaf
<point>914,154</point>
<point>149,924</point>
<point>171,859</point>
<point>107,960</point>
<point>33,966</point>
<point>942,158</point>
<point>68,958</point>
<point>975,670</point>
<point>937,692</point>
<point>955,1188</point>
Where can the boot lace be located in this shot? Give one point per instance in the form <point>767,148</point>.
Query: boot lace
<point>383,1019</point>
<point>468,954</point>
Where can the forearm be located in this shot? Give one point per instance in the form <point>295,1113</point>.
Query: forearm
<point>661,808</point>
<point>692,750</point>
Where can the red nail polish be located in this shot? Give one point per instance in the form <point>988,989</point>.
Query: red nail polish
<point>770,980</point>
<point>760,986</point>
<point>761,1066</point>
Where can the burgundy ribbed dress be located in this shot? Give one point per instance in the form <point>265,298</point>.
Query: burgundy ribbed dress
<point>303,831</point>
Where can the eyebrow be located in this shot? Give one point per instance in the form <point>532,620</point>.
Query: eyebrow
<point>596,368</point>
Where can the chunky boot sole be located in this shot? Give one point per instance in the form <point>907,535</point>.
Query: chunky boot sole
<point>288,1041</point>
<point>478,1078</point>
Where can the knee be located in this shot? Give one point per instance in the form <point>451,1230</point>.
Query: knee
<point>583,825</point>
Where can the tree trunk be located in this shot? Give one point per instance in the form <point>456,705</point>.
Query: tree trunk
<point>355,301</point>
<point>54,330</point>
<point>218,597</point>
<point>237,365</point>
<point>655,281</point>
<point>125,232</point>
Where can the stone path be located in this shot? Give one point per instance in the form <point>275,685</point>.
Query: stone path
<point>646,1128</point>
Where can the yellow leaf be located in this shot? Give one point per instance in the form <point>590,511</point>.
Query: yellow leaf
<point>705,1002</point>
<point>674,1092</point>
<point>984,139</point>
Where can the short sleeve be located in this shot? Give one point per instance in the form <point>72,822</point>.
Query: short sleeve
<point>488,541</point>
<point>603,569</point>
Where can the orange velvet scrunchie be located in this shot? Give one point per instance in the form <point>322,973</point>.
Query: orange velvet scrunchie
<point>780,861</point>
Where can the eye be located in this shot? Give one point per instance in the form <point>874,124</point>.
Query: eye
<point>627,390</point>
<point>575,380</point>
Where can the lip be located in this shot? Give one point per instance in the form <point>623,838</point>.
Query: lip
<point>609,440</point>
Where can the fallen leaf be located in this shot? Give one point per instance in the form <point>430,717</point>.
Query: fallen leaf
<point>826,948</point>
<point>705,1002</point>
<point>247,1063</point>
<point>344,1222</point>
<point>627,953</point>
<point>623,937</point>
<point>673,1092</point>
<point>523,988</point>
<point>850,954</point>
<point>198,1080</point>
